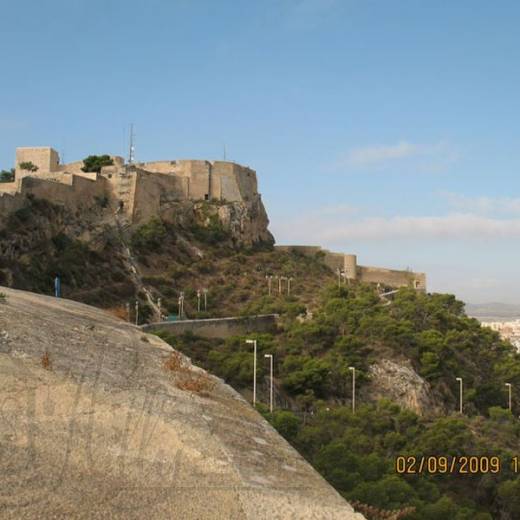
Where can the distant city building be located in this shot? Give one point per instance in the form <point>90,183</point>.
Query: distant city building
<point>508,330</point>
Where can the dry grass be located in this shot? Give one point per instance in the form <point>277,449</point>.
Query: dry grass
<point>186,379</point>
<point>119,312</point>
<point>174,362</point>
<point>46,361</point>
<point>199,384</point>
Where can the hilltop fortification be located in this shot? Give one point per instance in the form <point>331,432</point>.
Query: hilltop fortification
<point>138,191</point>
<point>209,193</point>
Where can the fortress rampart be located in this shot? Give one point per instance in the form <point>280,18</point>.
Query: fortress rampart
<point>137,191</point>
<point>347,264</point>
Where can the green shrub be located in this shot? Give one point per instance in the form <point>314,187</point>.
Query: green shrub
<point>149,237</point>
<point>94,163</point>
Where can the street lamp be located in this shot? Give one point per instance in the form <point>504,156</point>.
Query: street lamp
<point>270,356</point>
<point>181,305</point>
<point>253,342</point>
<point>269,279</point>
<point>289,280</point>
<point>509,396</point>
<point>459,379</point>
<point>205,292</point>
<point>353,369</point>
<point>136,312</point>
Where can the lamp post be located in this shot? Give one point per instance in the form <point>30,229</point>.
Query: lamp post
<point>181,305</point>
<point>509,402</point>
<point>205,292</point>
<point>289,280</point>
<point>137,312</point>
<point>459,379</point>
<point>269,279</point>
<point>270,357</point>
<point>253,342</point>
<point>159,307</point>
<point>127,305</point>
<point>198,300</point>
<point>353,369</point>
<point>57,286</point>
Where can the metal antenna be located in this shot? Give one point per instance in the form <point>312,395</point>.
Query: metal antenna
<point>224,151</point>
<point>131,151</point>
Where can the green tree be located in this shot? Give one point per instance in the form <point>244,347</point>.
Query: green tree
<point>509,494</point>
<point>28,166</point>
<point>7,175</point>
<point>94,163</point>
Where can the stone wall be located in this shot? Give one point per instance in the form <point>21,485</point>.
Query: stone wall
<point>153,190</point>
<point>218,327</point>
<point>45,158</point>
<point>221,180</point>
<point>79,193</point>
<point>391,277</point>
<point>348,264</point>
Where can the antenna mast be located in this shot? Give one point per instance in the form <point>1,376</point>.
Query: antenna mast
<point>131,151</point>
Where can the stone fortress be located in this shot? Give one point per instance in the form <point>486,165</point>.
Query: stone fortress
<point>138,191</point>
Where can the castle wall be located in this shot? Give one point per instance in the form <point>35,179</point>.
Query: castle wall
<point>152,190</point>
<point>9,187</point>
<point>45,158</point>
<point>246,180</point>
<point>367,274</point>
<point>218,180</point>
<point>79,193</point>
<point>392,278</point>
<point>159,166</point>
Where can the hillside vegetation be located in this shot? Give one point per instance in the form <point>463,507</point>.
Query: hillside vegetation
<point>89,251</point>
<point>357,451</point>
<point>324,330</point>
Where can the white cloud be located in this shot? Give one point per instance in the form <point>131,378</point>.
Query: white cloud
<point>483,204</point>
<point>425,156</point>
<point>450,227</point>
<point>339,209</point>
<point>375,154</point>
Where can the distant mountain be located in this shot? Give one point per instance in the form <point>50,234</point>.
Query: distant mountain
<point>493,311</point>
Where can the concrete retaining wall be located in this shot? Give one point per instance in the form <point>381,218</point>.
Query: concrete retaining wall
<point>217,327</point>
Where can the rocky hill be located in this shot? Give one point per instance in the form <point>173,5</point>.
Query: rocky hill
<point>100,420</point>
<point>106,263</point>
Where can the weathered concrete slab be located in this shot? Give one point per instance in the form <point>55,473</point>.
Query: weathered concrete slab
<point>104,432</point>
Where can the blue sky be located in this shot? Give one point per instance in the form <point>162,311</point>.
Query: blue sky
<point>387,128</point>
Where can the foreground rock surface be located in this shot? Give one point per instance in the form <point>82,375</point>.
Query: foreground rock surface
<point>97,428</point>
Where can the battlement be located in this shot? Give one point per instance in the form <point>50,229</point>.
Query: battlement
<point>351,270</point>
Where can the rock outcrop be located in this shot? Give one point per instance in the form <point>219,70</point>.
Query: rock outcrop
<point>400,383</point>
<point>95,423</point>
